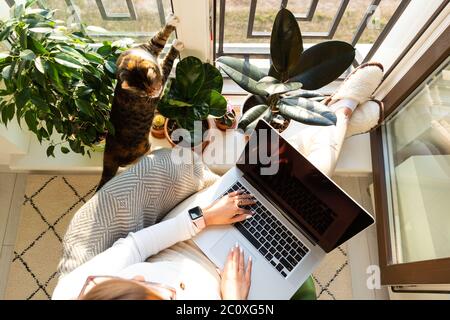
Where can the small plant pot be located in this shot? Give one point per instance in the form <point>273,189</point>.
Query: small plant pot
<point>222,126</point>
<point>158,133</point>
<point>207,125</point>
<point>157,128</point>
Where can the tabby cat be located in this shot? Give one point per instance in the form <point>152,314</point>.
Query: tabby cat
<point>138,90</point>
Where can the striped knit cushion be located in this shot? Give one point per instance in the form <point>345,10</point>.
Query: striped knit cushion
<point>139,197</point>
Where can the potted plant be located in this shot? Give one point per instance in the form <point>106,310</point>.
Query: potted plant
<point>157,129</point>
<point>190,100</point>
<point>227,121</point>
<point>276,95</point>
<point>56,80</point>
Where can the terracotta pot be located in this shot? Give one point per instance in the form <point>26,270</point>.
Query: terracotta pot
<point>223,126</point>
<point>205,141</point>
<point>158,133</point>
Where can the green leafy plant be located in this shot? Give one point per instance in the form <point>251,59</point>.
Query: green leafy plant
<point>55,79</point>
<point>292,69</point>
<point>193,95</point>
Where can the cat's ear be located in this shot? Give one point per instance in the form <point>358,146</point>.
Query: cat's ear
<point>125,85</point>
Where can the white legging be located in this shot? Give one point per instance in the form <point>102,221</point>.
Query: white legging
<point>322,145</point>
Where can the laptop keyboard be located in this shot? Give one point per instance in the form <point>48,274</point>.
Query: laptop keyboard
<point>270,237</point>
<point>303,201</point>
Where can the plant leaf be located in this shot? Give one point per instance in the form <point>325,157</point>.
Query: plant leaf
<point>65,150</point>
<point>5,33</point>
<point>22,97</point>
<point>50,151</point>
<point>251,115</point>
<point>10,111</point>
<point>37,45</point>
<point>73,53</point>
<point>96,29</point>
<point>4,55</point>
<point>306,111</point>
<point>273,86</point>
<point>178,103</point>
<point>30,119</point>
<point>52,71</point>
<point>68,61</point>
<point>216,102</point>
<point>274,73</point>
<point>85,107</point>
<point>199,111</point>
<point>27,55</point>
<point>213,78</point>
<point>267,115</point>
<point>7,72</point>
<point>41,30</point>
<point>94,57</point>
<point>323,63</point>
<point>307,94</point>
<point>39,66</point>
<point>190,77</point>
<point>286,43</point>
<point>168,110</point>
<point>243,67</point>
<point>243,73</point>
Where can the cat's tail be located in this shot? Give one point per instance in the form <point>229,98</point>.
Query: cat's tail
<point>110,167</point>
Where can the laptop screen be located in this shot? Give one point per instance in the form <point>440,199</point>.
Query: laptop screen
<point>302,192</point>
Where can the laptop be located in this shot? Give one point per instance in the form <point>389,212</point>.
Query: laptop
<point>299,215</point>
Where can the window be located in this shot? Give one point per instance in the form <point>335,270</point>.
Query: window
<point>138,19</point>
<point>411,171</point>
<point>417,152</point>
<point>243,26</point>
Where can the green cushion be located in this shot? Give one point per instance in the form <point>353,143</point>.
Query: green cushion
<point>306,292</point>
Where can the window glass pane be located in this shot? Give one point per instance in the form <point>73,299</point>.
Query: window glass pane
<point>122,18</point>
<point>247,30</point>
<point>417,154</point>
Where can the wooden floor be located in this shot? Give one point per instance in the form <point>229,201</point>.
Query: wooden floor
<point>362,249</point>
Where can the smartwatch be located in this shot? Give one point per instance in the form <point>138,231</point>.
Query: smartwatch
<point>197,218</point>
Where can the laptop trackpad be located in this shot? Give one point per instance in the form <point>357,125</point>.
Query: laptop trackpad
<point>221,248</point>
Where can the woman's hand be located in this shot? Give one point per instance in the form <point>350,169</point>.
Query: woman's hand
<point>227,210</point>
<point>236,278</point>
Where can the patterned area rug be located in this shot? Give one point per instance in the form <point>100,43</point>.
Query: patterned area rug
<point>49,204</point>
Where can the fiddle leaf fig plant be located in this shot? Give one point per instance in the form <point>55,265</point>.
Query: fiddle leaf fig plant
<point>56,80</point>
<point>193,95</point>
<point>286,92</point>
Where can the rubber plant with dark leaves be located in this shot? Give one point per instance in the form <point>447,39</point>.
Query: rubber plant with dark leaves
<point>192,96</point>
<point>57,80</point>
<point>292,69</point>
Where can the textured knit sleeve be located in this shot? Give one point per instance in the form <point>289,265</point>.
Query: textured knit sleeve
<point>135,248</point>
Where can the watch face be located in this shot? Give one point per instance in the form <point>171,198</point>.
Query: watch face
<point>195,213</point>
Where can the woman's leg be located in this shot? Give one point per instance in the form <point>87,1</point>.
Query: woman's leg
<point>322,145</point>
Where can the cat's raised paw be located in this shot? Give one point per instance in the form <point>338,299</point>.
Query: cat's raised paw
<point>177,44</point>
<point>172,20</point>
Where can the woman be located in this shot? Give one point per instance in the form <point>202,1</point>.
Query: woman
<point>176,268</point>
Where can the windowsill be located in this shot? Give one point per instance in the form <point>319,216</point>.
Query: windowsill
<point>355,156</point>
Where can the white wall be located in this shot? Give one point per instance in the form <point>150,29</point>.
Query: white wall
<point>4,10</point>
<point>194,28</point>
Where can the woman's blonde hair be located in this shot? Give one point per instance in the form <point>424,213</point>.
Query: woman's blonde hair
<point>120,289</point>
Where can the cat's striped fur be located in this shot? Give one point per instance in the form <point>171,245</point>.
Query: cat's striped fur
<point>138,90</point>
